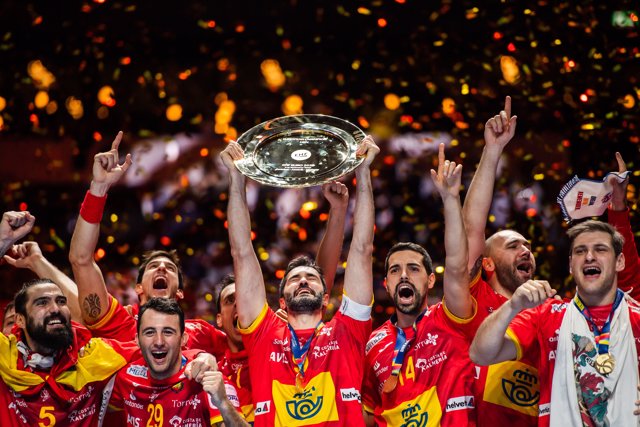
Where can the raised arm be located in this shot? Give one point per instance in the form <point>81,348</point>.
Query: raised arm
<point>331,245</point>
<point>250,293</point>
<point>13,227</point>
<point>618,216</point>
<point>92,291</point>
<point>491,343</point>
<point>447,181</point>
<point>358,276</point>
<point>28,255</point>
<point>498,131</point>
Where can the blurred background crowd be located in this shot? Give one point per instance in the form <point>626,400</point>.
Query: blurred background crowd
<point>183,78</point>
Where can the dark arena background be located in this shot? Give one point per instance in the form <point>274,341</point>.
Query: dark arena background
<point>182,78</point>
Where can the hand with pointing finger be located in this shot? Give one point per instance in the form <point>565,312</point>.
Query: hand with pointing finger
<point>107,169</point>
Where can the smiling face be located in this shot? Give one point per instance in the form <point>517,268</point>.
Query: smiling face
<point>595,266</point>
<point>408,281</point>
<point>160,341</point>
<point>509,255</point>
<point>47,324</point>
<point>160,279</point>
<point>304,291</point>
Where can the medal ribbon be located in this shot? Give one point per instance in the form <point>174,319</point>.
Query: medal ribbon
<point>300,353</point>
<point>601,335</point>
<point>402,344</point>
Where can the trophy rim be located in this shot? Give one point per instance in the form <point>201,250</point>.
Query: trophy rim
<point>261,134</point>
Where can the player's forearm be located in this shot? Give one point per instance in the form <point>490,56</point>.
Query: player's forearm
<point>490,344</point>
<point>456,276</point>
<point>331,245</point>
<point>231,417</point>
<point>250,292</point>
<point>358,281</point>
<point>478,200</point>
<point>44,269</point>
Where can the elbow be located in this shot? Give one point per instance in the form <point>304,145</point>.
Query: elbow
<point>477,356</point>
<point>80,258</point>
<point>365,249</point>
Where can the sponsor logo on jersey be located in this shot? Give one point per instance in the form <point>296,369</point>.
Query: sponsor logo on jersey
<point>194,401</point>
<point>177,388</point>
<point>278,357</point>
<point>350,394</point>
<point>325,331</point>
<point>263,408</point>
<point>304,405</point>
<point>460,403</point>
<point>138,371</point>
<point>521,388</point>
<point>436,359</point>
<point>81,396</point>
<point>375,340</point>
<point>417,412</point>
<point>513,385</point>
<point>323,350</point>
<point>431,339</point>
<point>557,308</point>
<point>81,414</point>
<point>175,421</point>
<point>133,421</point>
<point>544,410</point>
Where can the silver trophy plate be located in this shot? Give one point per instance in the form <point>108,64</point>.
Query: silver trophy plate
<point>300,151</point>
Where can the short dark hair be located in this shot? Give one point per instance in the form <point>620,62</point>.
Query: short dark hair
<point>590,226</point>
<point>162,305</point>
<point>409,246</point>
<point>301,261</point>
<point>148,256</point>
<point>227,280</point>
<point>21,298</point>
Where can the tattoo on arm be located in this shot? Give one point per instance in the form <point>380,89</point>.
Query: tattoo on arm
<point>91,306</point>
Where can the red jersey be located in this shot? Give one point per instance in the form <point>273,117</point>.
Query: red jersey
<point>629,278</point>
<point>120,323</point>
<point>235,366</point>
<point>70,393</point>
<point>502,397</point>
<point>435,385</point>
<point>175,401</point>
<point>535,331</point>
<point>330,394</point>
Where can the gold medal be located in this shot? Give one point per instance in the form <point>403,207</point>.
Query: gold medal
<point>605,363</point>
<point>390,384</point>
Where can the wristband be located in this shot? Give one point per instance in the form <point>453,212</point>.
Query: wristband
<point>92,208</point>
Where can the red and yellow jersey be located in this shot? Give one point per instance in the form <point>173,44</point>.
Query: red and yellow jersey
<point>535,332</point>
<point>506,393</point>
<point>175,401</point>
<point>68,394</point>
<point>435,385</point>
<point>120,323</point>
<point>330,394</point>
<point>235,366</point>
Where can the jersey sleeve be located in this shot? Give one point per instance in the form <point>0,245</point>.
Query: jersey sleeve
<point>357,318</point>
<point>261,326</point>
<point>469,326</point>
<point>370,395</point>
<point>629,278</point>
<point>116,323</point>
<point>523,331</point>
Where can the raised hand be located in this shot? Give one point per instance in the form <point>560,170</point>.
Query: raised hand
<point>336,193</point>
<point>531,294</point>
<point>232,153</point>
<point>367,149</point>
<point>14,226</point>
<point>24,255</point>
<point>619,196</point>
<point>213,383</point>
<point>499,129</point>
<point>196,369</point>
<point>107,169</point>
<point>448,177</point>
